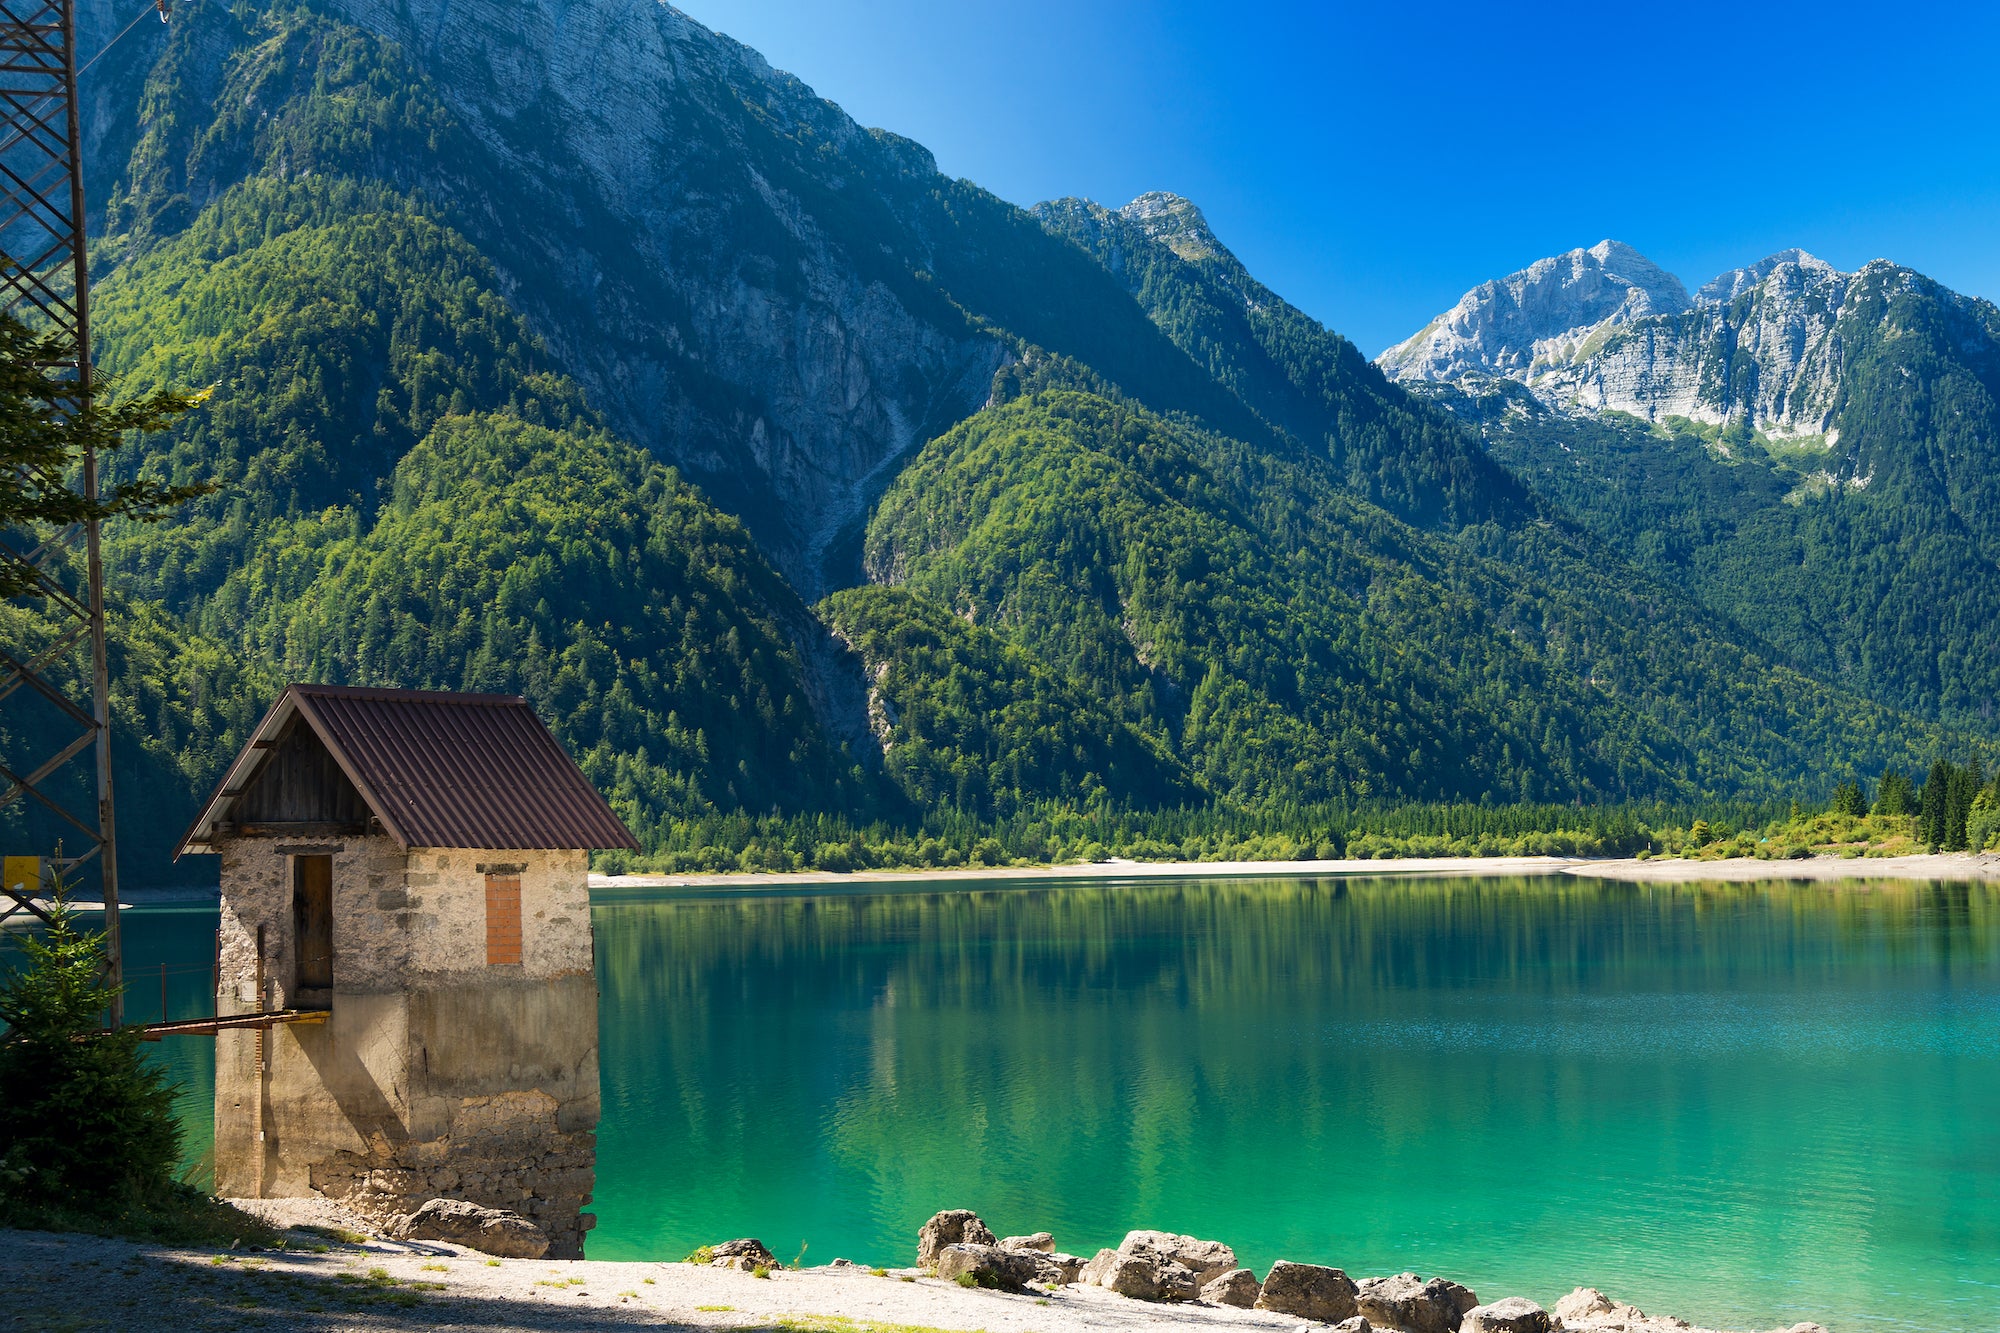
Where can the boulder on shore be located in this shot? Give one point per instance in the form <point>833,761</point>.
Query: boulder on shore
<point>989,1266</point>
<point>1310,1291</point>
<point>1238,1287</point>
<point>745,1253</point>
<point>1041,1240</point>
<point>1358,1324</point>
<point>1206,1259</point>
<point>1058,1269</point>
<point>953,1226</point>
<point>1515,1314</point>
<point>493,1231</point>
<point>1412,1305</point>
<point>1143,1277</point>
<point>1585,1302</point>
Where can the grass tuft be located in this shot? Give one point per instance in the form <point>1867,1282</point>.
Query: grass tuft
<point>341,1234</point>
<point>181,1215</point>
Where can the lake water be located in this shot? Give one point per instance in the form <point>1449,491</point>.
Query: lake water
<point>1745,1105</point>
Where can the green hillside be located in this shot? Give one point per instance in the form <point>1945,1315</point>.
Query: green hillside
<point>1291,643</point>
<point>1294,374</point>
<point>1870,560</point>
<point>1135,537</point>
<point>971,722</point>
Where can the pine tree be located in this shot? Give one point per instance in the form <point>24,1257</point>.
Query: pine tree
<point>1932,803</point>
<point>1895,794</point>
<point>45,426</point>
<point>86,1124</point>
<point>1848,799</point>
<point>1964,785</point>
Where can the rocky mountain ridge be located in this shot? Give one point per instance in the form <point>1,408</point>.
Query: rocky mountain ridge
<point>1523,324</point>
<point>1813,454</point>
<point>587,380</point>
<point>1605,329</point>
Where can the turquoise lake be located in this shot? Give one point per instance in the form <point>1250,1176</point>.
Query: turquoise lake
<point>1743,1105</point>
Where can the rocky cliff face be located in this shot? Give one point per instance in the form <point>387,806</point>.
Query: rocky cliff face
<point>1604,329</point>
<point>1544,316</point>
<point>1757,345</point>
<point>731,266</point>
<point>746,317</point>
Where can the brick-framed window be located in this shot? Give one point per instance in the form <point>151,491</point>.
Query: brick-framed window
<point>503,919</point>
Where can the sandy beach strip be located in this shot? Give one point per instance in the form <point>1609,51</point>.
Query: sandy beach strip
<point>88,1284</point>
<point>85,1284</point>
<point>1657,870</point>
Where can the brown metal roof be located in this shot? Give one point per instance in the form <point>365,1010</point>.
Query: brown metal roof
<point>438,769</point>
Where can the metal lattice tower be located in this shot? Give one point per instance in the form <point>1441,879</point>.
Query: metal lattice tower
<point>46,284</point>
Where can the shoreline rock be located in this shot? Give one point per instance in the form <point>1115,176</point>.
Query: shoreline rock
<point>953,1226</point>
<point>495,1231</point>
<point>1143,1277</point>
<point>747,1254</point>
<point>989,1266</point>
<point>1588,1310</point>
<point>1514,1314</point>
<point>1408,1303</point>
<point>1166,1266</point>
<point>1206,1259</point>
<point>1238,1287</point>
<point>1311,1291</point>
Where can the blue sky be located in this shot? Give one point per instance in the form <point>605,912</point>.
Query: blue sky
<point>1372,162</point>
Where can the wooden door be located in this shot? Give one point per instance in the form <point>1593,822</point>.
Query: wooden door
<point>312,922</point>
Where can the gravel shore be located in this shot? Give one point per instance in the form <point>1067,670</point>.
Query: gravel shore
<point>82,1284</point>
<point>1660,870</point>
<point>330,1279</point>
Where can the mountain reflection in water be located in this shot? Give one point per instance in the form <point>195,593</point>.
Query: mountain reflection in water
<point>1741,1104</point>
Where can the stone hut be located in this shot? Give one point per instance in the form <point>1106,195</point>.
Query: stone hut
<point>404,880</point>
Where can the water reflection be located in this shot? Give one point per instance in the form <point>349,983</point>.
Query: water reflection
<point>1747,1103</point>
<point>1743,1104</point>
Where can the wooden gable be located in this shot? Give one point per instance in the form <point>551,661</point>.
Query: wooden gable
<point>299,782</point>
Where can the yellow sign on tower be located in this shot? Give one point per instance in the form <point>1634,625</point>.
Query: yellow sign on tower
<point>21,874</point>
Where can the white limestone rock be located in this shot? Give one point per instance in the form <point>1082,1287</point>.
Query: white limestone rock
<point>1310,1291</point>
<point>1606,329</point>
<point>1040,1240</point>
<point>1515,1314</point>
<point>1408,1303</point>
<point>494,1231</point>
<point>1238,1287</point>
<point>1538,317</point>
<point>1206,1259</point>
<point>953,1226</point>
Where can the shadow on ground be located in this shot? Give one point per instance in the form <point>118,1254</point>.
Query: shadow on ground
<point>81,1284</point>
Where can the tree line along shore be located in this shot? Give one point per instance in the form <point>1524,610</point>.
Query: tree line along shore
<point>1955,808</point>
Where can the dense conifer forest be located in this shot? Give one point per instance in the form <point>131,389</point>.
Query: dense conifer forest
<point>1180,575</point>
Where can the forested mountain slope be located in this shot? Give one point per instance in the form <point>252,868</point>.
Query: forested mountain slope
<point>1812,454</point>
<point>1293,373</point>
<point>1289,642</point>
<point>744,281</point>
<point>587,378</point>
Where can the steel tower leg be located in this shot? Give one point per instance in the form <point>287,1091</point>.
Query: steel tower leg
<point>46,284</point>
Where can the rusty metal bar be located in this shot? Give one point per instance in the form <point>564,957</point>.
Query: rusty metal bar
<point>208,1027</point>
